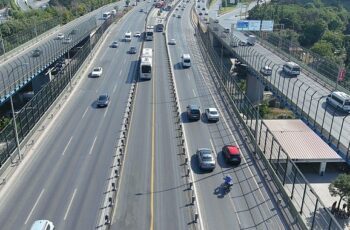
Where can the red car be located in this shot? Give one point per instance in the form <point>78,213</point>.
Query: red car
<point>231,154</point>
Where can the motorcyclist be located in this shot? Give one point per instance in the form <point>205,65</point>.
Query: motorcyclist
<point>228,182</point>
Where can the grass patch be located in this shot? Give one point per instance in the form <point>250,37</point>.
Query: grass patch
<point>211,3</point>
<point>227,9</point>
<point>277,113</point>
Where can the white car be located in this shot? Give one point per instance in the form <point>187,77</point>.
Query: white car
<point>60,36</point>
<point>137,34</point>
<point>266,70</point>
<point>97,72</point>
<point>67,40</point>
<point>172,41</point>
<point>212,114</point>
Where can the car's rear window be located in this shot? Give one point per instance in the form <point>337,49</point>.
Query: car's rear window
<point>195,111</point>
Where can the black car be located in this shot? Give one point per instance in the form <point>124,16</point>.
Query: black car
<point>103,100</point>
<point>132,50</point>
<point>37,53</point>
<point>193,112</point>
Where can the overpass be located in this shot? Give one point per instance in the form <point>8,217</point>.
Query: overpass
<point>18,70</point>
<point>305,95</point>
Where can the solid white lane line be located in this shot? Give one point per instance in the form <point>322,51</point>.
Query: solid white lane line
<point>115,87</point>
<point>70,204</point>
<point>92,146</point>
<point>104,115</point>
<point>120,72</point>
<point>194,93</point>
<point>65,149</point>
<point>84,113</point>
<point>188,76</point>
<point>36,203</point>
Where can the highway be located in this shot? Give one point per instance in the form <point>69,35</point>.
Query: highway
<point>20,68</point>
<point>304,91</point>
<point>151,194</point>
<point>248,205</point>
<point>64,175</point>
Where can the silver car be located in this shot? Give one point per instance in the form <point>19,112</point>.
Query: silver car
<point>212,114</point>
<point>206,159</point>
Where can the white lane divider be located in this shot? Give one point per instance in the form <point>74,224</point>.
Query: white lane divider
<point>115,87</point>
<point>65,149</point>
<point>85,112</point>
<point>194,93</point>
<point>70,204</point>
<point>104,115</point>
<point>92,146</point>
<point>36,203</point>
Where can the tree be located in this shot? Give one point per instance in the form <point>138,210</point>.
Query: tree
<point>127,2</point>
<point>340,187</point>
<point>323,48</point>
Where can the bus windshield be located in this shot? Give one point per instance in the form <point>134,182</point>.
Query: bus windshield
<point>146,69</point>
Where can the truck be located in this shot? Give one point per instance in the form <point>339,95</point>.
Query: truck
<point>251,40</point>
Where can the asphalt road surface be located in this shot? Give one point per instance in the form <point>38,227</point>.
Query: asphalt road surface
<point>151,194</point>
<point>64,176</point>
<point>24,66</point>
<point>248,205</point>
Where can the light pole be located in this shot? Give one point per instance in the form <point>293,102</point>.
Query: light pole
<point>14,119</point>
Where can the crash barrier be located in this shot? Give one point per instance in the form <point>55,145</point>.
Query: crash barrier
<point>292,191</point>
<point>33,111</point>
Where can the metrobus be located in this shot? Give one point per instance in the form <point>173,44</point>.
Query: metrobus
<point>146,64</point>
<point>149,33</point>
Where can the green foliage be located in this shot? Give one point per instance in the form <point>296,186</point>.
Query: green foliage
<point>317,24</point>
<point>264,109</point>
<point>3,122</point>
<point>224,3</point>
<point>340,187</point>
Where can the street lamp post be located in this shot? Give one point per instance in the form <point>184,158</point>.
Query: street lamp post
<point>14,119</point>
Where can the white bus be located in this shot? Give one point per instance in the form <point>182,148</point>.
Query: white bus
<point>146,68</point>
<point>146,64</point>
<point>127,37</point>
<point>147,52</point>
<point>106,15</point>
<point>149,34</point>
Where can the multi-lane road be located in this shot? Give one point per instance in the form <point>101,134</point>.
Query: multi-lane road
<point>63,177</point>
<point>23,66</point>
<point>249,204</point>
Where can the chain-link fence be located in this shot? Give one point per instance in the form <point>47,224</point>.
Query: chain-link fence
<point>31,30</point>
<point>22,69</point>
<point>305,98</point>
<point>30,114</point>
<point>313,64</point>
<point>302,199</point>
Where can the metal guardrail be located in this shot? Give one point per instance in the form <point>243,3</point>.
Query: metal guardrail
<point>33,111</point>
<point>299,197</point>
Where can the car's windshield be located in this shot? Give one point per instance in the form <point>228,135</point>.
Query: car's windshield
<point>206,157</point>
<point>97,69</point>
<point>103,98</point>
<point>213,112</point>
<point>195,111</point>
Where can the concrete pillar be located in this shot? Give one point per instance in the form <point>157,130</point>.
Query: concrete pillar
<point>322,168</point>
<point>255,89</point>
<point>289,167</point>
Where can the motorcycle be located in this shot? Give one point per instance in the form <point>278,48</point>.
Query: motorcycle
<point>226,188</point>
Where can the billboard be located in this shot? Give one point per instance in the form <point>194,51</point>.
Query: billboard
<point>254,25</point>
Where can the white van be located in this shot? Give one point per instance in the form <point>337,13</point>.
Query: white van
<point>291,68</point>
<point>127,36</point>
<point>42,225</point>
<point>186,60</point>
<point>339,100</point>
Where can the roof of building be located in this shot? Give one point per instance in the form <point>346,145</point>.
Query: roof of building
<point>300,142</point>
